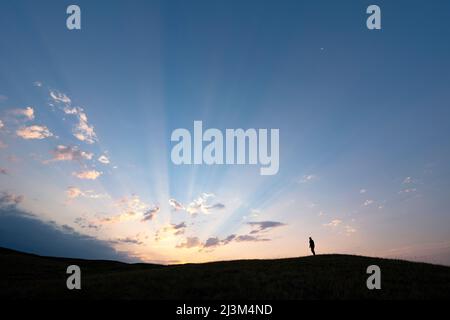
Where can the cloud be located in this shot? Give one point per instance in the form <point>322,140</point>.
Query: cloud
<point>150,214</point>
<point>67,153</point>
<point>129,240</point>
<point>8,199</point>
<point>408,190</point>
<point>27,113</point>
<point>37,84</point>
<point>169,230</point>
<point>1,124</point>
<point>84,223</point>
<point>83,131</point>
<point>103,159</point>
<point>214,242</point>
<point>247,238</point>
<point>87,175</point>
<point>211,242</point>
<point>59,97</point>
<point>132,208</point>
<point>3,145</point>
<point>190,242</point>
<point>34,132</point>
<point>408,180</point>
<point>349,230</point>
<point>175,205</point>
<point>263,226</point>
<point>23,231</point>
<point>217,206</point>
<point>308,178</point>
<point>362,191</point>
<point>201,205</point>
<point>74,192</point>
<point>334,223</point>
<point>367,203</point>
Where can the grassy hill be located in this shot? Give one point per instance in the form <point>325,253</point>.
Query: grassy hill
<point>321,277</point>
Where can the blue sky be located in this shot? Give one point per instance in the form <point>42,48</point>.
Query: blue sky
<point>363,118</point>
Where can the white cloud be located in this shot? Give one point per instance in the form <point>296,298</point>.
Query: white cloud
<point>349,230</point>
<point>201,205</point>
<point>367,202</point>
<point>1,124</point>
<point>103,159</point>
<point>83,131</point>
<point>133,208</point>
<point>34,132</point>
<point>362,191</point>
<point>88,174</point>
<point>308,178</point>
<point>27,113</point>
<point>334,223</point>
<point>59,97</point>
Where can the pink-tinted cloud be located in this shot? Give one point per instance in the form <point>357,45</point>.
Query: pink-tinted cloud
<point>67,153</point>
<point>34,132</point>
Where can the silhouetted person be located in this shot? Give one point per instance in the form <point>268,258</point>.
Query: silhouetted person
<point>312,245</point>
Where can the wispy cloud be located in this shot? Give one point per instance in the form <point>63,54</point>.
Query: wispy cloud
<point>88,174</point>
<point>132,208</point>
<point>408,180</point>
<point>202,204</point>
<point>34,132</point>
<point>172,229</point>
<point>368,203</point>
<point>8,199</point>
<point>263,226</point>
<point>334,223</point>
<point>74,192</point>
<point>84,223</point>
<point>68,153</point>
<point>83,131</point>
<point>59,97</point>
<point>308,178</point>
<point>103,159</point>
<point>27,114</point>
<point>176,205</point>
<point>190,242</point>
<point>150,214</point>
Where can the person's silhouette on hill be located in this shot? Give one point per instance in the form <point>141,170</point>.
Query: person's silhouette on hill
<point>312,245</point>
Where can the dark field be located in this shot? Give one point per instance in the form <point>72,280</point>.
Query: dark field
<point>320,277</point>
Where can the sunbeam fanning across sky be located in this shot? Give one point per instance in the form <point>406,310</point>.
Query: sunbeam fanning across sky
<point>339,133</point>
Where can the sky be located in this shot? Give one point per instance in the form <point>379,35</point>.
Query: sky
<point>87,115</point>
